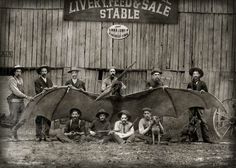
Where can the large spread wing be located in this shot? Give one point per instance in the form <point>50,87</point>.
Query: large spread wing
<point>167,101</point>
<point>56,103</point>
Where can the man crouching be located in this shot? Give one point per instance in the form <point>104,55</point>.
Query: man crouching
<point>149,127</point>
<point>100,128</point>
<point>123,130</point>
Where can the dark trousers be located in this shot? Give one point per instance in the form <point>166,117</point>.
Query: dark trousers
<point>42,127</point>
<point>199,113</point>
<point>105,138</point>
<point>119,140</point>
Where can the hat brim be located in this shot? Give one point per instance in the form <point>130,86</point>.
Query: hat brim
<point>98,114</point>
<point>39,69</point>
<point>12,71</point>
<point>196,69</point>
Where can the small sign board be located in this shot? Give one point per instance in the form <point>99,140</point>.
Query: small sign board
<point>142,11</point>
<point>118,32</point>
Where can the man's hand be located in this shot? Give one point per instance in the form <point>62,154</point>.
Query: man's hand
<point>202,91</point>
<point>68,133</point>
<point>92,133</point>
<point>29,98</point>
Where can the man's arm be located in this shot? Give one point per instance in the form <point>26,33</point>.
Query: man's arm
<point>104,85</point>
<point>13,87</point>
<point>38,88</point>
<point>141,127</point>
<point>129,133</point>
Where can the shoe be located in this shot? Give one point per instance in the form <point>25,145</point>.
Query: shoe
<point>38,139</point>
<point>47,139</point>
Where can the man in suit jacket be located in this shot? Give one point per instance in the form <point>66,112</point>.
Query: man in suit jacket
<point>42,83</point>
<point>74,81</point>
<point>197,84</point>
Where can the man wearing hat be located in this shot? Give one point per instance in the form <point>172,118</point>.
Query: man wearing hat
<point>42,83</point>
<point>107,82</point>
<point>123,129</point>
<point>197,84</point>
<point>74,81</point>
<point>155,80</point>
<point>100,127</point>
<point>17,96</point>
<point>146,126</point>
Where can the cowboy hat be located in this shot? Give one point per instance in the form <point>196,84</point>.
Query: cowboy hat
<point>156,70</point>
<point>147,109</point>
<point>124,112</point>
<point>74,69</point>
<point>41,67</point>
<point>12,71</point>
<point>75,109</point>
<point>102,111</point>
<point>196,69</point>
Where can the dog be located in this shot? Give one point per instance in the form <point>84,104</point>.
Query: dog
<point>157,129</point>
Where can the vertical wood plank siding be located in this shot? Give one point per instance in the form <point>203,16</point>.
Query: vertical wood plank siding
<point>35,32</point>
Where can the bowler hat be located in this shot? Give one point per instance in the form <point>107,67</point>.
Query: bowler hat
<point>196,69</point>
<point>156,70</point>
<point>102,111</point>
<point>126,112</point>
<point>75,109</point>
<point>12,71</point>
<point>41,67</point>
<point>74,69</point>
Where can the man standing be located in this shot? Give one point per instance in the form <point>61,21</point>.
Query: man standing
<point>74,81</point>
<point>123,130</point>
<point>155,80</point>
<point>110,81</point>
<point>16,98</point>
<point>196,112</point>
<point>100,127</point>
<point>42,83</point>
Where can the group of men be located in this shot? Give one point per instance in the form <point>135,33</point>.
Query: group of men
<point>99,129</point>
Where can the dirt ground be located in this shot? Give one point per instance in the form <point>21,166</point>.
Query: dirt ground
<point>29,153</point>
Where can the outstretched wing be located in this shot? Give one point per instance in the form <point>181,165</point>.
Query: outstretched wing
<point>56,103</point>
<point>167,101</point>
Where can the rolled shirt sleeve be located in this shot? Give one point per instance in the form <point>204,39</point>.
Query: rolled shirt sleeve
<point>14,89</point>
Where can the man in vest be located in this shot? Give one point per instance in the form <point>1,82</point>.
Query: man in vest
<point>16,99</point>
<point>74,81</point>
<point>42,83</point>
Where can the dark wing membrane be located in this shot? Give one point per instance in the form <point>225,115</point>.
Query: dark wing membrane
<point>57,102</point>
<point>167,101</point>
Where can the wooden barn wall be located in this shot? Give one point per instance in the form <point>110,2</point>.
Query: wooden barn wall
<point>35,33</point>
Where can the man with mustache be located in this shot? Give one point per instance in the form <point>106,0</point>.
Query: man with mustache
<point>42,83</point>
<point>155,80</point>
<point>118,86</point>
<point>196,112</point>
<point>74,81</point>
<point>16,99</point>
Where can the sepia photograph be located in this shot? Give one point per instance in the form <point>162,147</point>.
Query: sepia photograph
<point>118,83</point>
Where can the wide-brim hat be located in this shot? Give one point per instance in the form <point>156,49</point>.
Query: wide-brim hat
<point>102,111</point>
<point>74,69</point>
<point>147,109</point>
<point>12,71</point>
<point>156,70</point>
<point>75,109</point>
<point>41,67</point>
<point>196,69</point>
<point>124,112</point>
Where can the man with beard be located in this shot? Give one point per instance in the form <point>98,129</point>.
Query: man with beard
<point>16,99</point>
<point>111,81</point>
<point>42,83</point>
<point>75,127</point>
<point>74,81</point>
<point>123,130</point>
<point>155,80</point>
<point>100,127</point>
<point>196,112</point>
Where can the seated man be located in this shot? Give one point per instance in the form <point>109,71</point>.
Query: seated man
<point>100,127</point>
<point>123,130</point>
<point>149,127</point>
<point>75,128</point>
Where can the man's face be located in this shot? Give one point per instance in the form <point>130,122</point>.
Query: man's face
<point>74,74</point>
<point>18,73</point>
<point>112,72</point>
<point>102,117</point>
<point>196,76</point>
<point>75,115</point>
<point>124,118</point>
<point>44,72</point>
<point>156,76</point>
<point>147,115</point>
